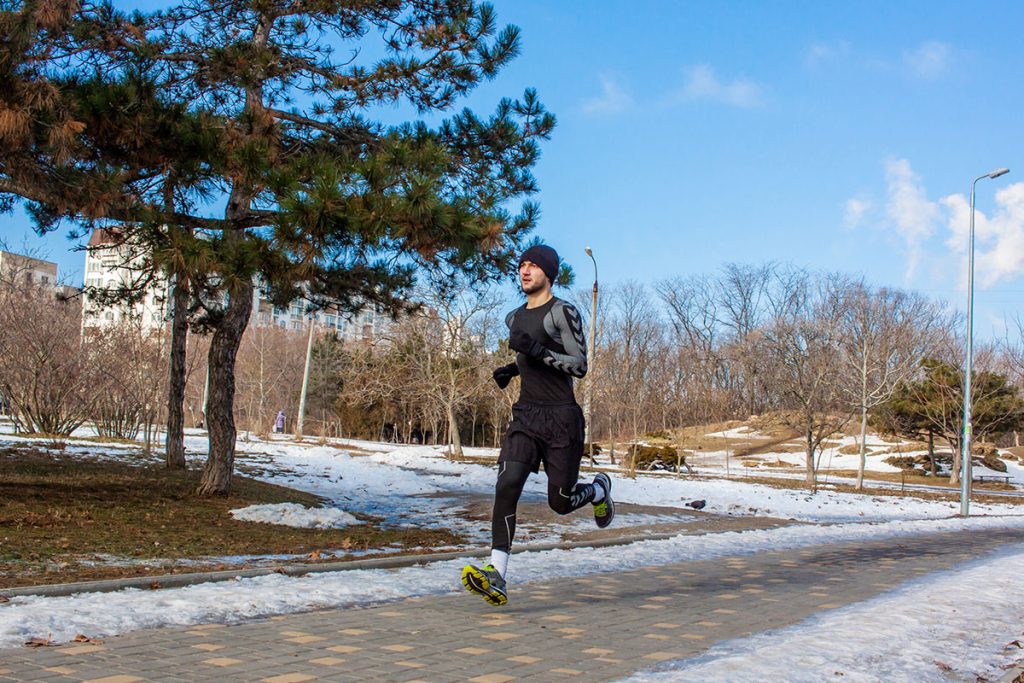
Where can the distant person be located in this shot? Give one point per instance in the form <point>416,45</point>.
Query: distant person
<point>279,422</point>
<point>547,424</point>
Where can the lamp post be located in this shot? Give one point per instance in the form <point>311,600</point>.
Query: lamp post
<point>591,356</point>
<point>305,378</point>
<point>965,442</point>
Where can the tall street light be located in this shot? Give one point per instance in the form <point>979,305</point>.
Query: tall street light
<point>305,378</point>
<point>965,443</point>
<point>591,357</point>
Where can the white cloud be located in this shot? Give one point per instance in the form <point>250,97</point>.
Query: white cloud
<point>818,53</point>
<point>612,100</point>
<point>703,84</point>
<point>854,211</point>
<point>929,60</point>
<point>912,214</point>
<point>999,239</point>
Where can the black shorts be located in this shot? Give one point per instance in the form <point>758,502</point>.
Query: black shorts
<point>552,434</point>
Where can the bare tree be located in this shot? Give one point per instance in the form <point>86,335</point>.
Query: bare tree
<point>449,340</point>
<point>632,342</point>
<point>130,365</point>
<point>46,369</point>
<point>268,374</point>
<point>884,336</point>
<point>801,349</point>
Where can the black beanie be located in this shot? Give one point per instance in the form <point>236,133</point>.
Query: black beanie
<point>544,256</point>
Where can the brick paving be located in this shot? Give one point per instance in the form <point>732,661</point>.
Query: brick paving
<point>594,628</point>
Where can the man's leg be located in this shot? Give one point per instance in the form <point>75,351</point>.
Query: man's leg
<point>562,464</point>
<point>512,478</point>
<point>564,499</point>
<point>518,455</point>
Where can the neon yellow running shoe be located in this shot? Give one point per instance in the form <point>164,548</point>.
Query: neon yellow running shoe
<point>604,512</point>
<point>486,582</point>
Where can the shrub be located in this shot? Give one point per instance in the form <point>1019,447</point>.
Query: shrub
<point>904,462</point>
<point>994,462</point>
<point>651,457</point>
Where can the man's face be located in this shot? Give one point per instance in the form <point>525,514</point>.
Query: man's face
<point>532,278</point>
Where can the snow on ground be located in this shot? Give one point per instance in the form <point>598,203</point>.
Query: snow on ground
<point>959,618</point>
<point>105,614</point>
<point>736,497</point>
<point>419,486</point>
<point>295,515</point>
<point>731,497</point>
<point>738,433</point>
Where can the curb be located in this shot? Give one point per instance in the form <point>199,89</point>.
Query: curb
<point>157,582</point>
<point>1013,675</point>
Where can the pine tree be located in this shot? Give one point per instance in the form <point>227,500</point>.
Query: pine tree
<point>271,110</point>
<point>933,404</point>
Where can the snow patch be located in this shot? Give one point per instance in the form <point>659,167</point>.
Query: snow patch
<point>295,515</point>
<point>106,614</point>
<point>959,618</point>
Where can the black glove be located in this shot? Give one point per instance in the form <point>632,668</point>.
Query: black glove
<point>503,375</point>
<point>524,343</point>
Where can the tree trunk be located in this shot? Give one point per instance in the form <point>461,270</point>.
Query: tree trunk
<point>810,459</point>
<point>219,414</point>
<point>453,434</point>
<point>954,474</point>
<point>862,461</point>
<point>175,448</point>
<point>931,451</point>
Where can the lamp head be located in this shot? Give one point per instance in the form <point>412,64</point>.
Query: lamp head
<point>998,172</point>
<point>589,252</point>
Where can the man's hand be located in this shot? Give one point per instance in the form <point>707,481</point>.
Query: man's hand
<point>504,374</point>
<point>524,343</point>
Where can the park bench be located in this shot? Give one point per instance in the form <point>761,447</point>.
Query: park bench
<point>993,477</point>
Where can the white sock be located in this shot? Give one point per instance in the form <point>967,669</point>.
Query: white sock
<point>598,492</point>
<point>499,560</point>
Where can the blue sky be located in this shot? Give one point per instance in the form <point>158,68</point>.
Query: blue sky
<point>838,136</point>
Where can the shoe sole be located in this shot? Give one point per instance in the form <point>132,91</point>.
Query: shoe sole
<point>606,521</point>
<point>476,582</point>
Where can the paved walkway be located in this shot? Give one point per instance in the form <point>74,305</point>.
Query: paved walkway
<point>596,628</point>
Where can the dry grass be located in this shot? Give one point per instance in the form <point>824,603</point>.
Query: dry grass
<point>60,512</point>
<point>919,477</point>
<point>953,494</point>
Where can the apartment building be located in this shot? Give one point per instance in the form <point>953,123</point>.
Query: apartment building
<point>27,269</point>
<point>110,266</point>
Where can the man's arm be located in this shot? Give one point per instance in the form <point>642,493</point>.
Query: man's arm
<point>569,324</point>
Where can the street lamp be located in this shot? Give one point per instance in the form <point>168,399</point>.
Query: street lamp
<point>591,356</point>
<point>305,378</point>
<point>965,443</point>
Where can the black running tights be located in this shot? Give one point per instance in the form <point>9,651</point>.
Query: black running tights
<point>512,477</point>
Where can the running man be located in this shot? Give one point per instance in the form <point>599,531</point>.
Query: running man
<point>547,424</point>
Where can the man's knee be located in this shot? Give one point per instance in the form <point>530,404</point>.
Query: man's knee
<point>560,500</point>
<point>506,488</point>
<point>511,479</point>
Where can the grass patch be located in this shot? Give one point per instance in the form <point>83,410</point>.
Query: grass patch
<point>60,512</point>
<point>953,495</point>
